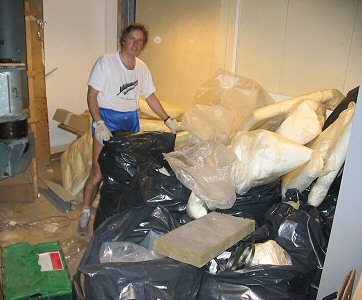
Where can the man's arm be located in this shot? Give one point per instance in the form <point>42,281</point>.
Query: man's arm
<point>156,106</point>
<point>93,103</point>
<point>102,133</point>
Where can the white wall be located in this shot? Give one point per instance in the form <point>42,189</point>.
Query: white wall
<point>184,44</point>
<point>291,47</point>
<point>76,34</point>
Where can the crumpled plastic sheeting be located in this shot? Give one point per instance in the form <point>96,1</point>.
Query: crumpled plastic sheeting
<point>263,156</point>
<point>237,94</point>
<point>206,169</point>
<point>304,175</point>
<point>76,163</point>
<point>257,118</point>
<point>185,139</point>
<point>209,122</point>
<point>126,252</point>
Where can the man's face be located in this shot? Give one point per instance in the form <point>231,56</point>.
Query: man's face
<point>133,44</point>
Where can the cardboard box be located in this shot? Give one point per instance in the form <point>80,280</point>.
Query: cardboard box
<point>75,123</point>
<point>22,187</point>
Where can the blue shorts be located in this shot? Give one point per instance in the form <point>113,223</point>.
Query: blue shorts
<point>115,120</point>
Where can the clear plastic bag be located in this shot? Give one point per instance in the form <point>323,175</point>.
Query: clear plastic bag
<point>125,252</point>
<point>206,169</point>
<point>235,94</point>
<point>209,122</point>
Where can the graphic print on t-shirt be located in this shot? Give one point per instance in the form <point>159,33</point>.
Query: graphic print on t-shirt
<point>127,87</point>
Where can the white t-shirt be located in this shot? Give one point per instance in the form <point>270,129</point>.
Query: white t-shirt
<point>120,88</point>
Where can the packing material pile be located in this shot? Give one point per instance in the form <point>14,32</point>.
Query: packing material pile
<point>241,154</point>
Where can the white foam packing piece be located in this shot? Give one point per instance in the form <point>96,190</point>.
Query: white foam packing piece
<point>263,156</point>
<point>303,176</point>
<point>334,162</point>
<point>196,208</point>
<point>330,98</point>
<point>304,123</point>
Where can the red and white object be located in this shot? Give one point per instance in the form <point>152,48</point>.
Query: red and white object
<point>50,261</point>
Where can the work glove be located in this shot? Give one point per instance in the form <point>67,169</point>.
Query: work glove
<point>172,125</point>
<point>101,131</point>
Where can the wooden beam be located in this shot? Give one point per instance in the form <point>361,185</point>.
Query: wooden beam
<point>38,109</point>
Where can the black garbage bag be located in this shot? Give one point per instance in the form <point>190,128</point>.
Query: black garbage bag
<point>130,164</point>
<point>299,232</point>
<point>256,202</point>
<point>235,278</point>
<point>255,283</point>
<point>157,189</point>
<point>153,279</point>
<point>350,97</point>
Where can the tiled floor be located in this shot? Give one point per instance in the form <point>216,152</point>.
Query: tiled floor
<point>40,221</point>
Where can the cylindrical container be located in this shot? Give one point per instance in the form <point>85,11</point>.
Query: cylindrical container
<point>14,128</point>
<point>11,92</point>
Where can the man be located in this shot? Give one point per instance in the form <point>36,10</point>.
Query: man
<point>115,85</point>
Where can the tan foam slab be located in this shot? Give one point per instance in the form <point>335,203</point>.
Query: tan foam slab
<point>199,241</point>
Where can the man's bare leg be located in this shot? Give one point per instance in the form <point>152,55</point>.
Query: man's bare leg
<point>90,189</point>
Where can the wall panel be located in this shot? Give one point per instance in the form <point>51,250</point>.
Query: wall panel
<point>189,50</point>
<point>261,41</point>
<point>290,47</point>
<point>317,43</point>
<point>76,36</point>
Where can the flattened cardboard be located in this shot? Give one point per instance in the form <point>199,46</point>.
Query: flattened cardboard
<point>73,121</point>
